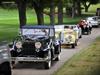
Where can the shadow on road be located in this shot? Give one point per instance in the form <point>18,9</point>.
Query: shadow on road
<point>32,65</point>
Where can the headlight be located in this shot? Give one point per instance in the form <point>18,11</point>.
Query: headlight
<point>19,44</point>
<point>19,50</point>
<point>5,56</point>
<point>38,44</point>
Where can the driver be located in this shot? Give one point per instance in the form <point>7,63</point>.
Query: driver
<point>44,31</point>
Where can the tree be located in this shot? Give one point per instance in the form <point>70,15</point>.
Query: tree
<point>38,7</point>
<point>78,6</point>
<point>71,7</point>
<point>60,11</point>
<point>52,12</point>
<point>87,3</point>
<point>0,3</point>
<point>21,5</point>
<point>22,11</point>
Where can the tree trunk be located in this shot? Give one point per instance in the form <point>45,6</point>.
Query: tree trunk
<point>78,8</point>
<point>60,12</point>
<point>0,3</point>
<point>52,13</point>
<point>40,17</point>
<point>86,9</point>
<point>22,12</point>
<point>86,6</point>
<point>73,9</point>
<point>39,12</point>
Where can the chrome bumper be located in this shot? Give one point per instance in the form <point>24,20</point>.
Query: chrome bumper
<point>34,59</point>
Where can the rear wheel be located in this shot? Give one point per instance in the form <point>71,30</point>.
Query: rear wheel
<point>76,42</point>
<point>80,36</point>
<point>88,32</point>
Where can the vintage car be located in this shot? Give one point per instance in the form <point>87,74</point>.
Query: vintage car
<point>94,20</point>
<point>36,44</point>
<point>5,67</point>
<point>86,28</point>
<point>69,37</point>
<point>77,29</point>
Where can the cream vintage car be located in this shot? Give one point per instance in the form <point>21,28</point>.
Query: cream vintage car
<point>78,31</point>
<point>69,37</point>
<point>66,34</point>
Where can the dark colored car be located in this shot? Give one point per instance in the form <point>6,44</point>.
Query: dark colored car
<point>85,26</point>
<point>36,44</point>
<point>5,68</point>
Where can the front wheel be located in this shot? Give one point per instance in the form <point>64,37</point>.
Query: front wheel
<point>58,49</point>
<point>5,69</point>
<point>47,64</point>
<point>73,45</point>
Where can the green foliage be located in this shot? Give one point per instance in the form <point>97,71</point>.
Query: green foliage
<point>91,1</point>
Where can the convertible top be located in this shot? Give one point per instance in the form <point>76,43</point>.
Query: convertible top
<point>38,27</point>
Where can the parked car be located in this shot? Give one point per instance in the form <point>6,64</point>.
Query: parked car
<point>95,20</point>
<point>69,37</point>
<point>5,68</point>
<point>36,44</point>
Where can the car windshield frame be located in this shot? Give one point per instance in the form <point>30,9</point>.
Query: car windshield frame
<point>44,30</point>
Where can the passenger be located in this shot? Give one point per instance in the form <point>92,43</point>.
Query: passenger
<point>81,25</point>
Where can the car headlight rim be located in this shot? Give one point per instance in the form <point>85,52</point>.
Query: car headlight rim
<point>38,45</point>
<point>19,44</point>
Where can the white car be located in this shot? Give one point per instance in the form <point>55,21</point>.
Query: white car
<point>95,20</point>
<point>77,29</point>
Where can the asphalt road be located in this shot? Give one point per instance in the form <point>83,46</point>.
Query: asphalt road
<point>66,54</point>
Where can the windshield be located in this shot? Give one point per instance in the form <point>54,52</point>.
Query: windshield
<point>35,32</point>
<point>89,18</point>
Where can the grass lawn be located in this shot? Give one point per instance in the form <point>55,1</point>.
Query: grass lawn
<point>86,62</point>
